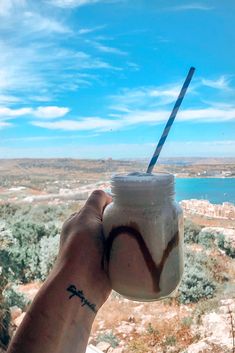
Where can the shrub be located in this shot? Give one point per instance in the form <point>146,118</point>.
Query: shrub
<point>8,210</point>
<point>14,298</point>
<point>5,319</point>
<point>191,232</point>
<point>5,316</point>
<point>6,240</point>
<point>49,247</point>
<point>108,337</point>
<point>206,239</point>
<point>226,246</point>
<point>196,283</point>
<point>170,341</point>
<point>25,250</point>
<point>187,321</point>
<point>47,215</point>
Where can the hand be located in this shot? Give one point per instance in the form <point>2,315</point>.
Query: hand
<point>61,315</point>
<point>82,247</point>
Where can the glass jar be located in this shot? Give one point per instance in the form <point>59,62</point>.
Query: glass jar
<point>143,227</point>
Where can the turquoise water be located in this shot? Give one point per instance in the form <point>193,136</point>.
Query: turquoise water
<point>216,190</point>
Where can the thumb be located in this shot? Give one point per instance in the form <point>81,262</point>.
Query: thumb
<point>97,202</point>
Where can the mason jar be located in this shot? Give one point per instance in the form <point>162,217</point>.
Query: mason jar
<point>143,228</point>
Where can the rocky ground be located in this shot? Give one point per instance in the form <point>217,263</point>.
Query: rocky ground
<point>124,326</point>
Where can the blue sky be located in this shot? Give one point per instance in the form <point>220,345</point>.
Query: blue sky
<point>98,78</point>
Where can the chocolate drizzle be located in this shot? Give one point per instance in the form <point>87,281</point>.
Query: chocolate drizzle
<point>132,231</point>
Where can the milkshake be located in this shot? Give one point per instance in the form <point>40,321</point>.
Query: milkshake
<point>143,227</point>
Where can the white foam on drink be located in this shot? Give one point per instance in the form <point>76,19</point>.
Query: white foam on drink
<point>152,187</point>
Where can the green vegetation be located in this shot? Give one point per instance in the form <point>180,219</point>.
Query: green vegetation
<point>197,282</point>
<point>226,246</point>
<point>14,298</point>
<point>203,273</point>
<point>170,341</point>
<point>108,337</point>
<point>29,242</point>
<point>24,251</point>
<point>191,232</point>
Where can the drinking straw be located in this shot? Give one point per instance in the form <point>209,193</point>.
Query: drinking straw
<point>170,120</point>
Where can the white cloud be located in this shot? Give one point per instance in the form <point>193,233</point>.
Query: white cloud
<point>208,115</point>
<point>12,113</point>
<point>90,30</point>
<point>8,99</point>
<point>200,115</point>
<point>188,7</point>
<point>83,124</point>
<point>109,50</point>
<point>6,6</point>
<point>4,124</point>
<point>40,98</point>
<point>143,97</point>
<point>40,68</point>
<point>222,83</point>
<point>50,112</point>
<point>35,60</point>
<point>39,23</point>
<point>77,3</point>
<point>137,117</point>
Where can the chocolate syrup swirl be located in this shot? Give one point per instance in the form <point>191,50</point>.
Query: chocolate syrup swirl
<point>154,269</point>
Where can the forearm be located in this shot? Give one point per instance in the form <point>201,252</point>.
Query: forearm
<point>58,320</point>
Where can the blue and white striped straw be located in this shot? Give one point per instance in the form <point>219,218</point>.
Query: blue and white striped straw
<point>170,120</point>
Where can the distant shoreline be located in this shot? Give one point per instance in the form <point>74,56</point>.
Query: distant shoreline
<point>204,177</point>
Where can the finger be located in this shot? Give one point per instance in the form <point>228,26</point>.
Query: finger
<point>97,202</point>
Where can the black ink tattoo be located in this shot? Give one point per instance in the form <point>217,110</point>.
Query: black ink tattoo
<point>79,293</point>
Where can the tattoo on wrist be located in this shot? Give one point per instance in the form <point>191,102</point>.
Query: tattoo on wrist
<point>79,293</point>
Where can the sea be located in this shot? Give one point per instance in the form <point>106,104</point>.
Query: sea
<point>216,190</point>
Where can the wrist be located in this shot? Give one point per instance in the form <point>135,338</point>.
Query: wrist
<point>81,284</point>
<point>54,319</point>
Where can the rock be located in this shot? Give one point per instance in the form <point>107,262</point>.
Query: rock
<point>101,324</point>
<point>121,343</point>
<point>229,234</point>
<point>169,315</point>
<point>103,346</point>
<point>229,303</point>
<point>15,312</point>
<point>140,329</point>
<point>117,350</point>
<point>131,318</point>
<point>205,208</point>
<point>217,328</point>
<point>92,349</point>
<point>126,328</point>
<point>146,319</point>
<point>199,347</point>
<point>138,309</point>
<point>19,319</point>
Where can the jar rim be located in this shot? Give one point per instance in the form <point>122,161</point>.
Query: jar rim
<point>142,179</point>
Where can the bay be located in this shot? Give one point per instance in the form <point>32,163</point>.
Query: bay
<point>215,190</point>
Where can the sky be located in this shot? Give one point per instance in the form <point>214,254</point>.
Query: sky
<point>99,78</point>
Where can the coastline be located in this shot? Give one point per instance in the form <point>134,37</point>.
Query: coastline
<point>209,215</point>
